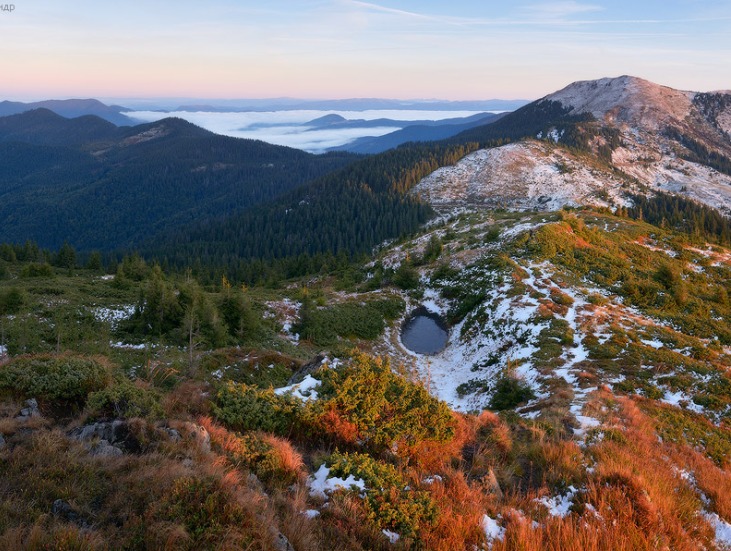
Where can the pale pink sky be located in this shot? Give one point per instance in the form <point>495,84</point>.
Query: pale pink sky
<point>347,48</point>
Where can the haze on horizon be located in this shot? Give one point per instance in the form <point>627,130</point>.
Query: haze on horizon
<point>461,50</point>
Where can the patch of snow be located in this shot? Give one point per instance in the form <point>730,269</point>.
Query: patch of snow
<point>127,346</point>
<point>493,531</point>
<point>113,316</point>
<point>722,528</point>
<point>521,176</point>
<point>304,390</point>
<point>393,537</point>
<point>321,484</point>
<point>311,513</point>
<point>433,302</point>
<point>3,350</point>
<point>432,479</point>
<point>653,343</point>
<point>560,505</point>
<point>679,399</point>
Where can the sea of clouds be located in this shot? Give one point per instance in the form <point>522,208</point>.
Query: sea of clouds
<point>286,127</point>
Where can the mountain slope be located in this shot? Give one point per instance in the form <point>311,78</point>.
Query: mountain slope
<point>98,186</point>
<point>44,127</point>
<point>616,136</point>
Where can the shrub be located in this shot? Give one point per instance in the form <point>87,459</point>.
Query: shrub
<point>125,399</point>
<point>509,393</point>
<point>389,500</point>
<point>210,513</point>
<point>382,407</point>
<point>11,301</point>
<point>348,320</point>
<point>406,276</point>
<point>243,407</point>
<point>65,378</point>
<point>37,270</point>
<point>274,461</point>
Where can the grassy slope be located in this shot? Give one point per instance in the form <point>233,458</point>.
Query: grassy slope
<point>579,467</point>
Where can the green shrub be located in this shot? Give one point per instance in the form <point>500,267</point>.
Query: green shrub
<point>243,407</point>
<point>509,393</point>
<point>11,300</point>
<point>348,320</point>
<point>125,399</point>
<point>406,276</point>
<point>389,500</point>
<point>35,269</point>
<point>382,407</point>
<point>64,378</point>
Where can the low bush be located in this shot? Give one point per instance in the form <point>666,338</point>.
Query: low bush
<point>382,408</point>
<point>388,497</point>
<point>55,378</point>
<point>125,399</point>
<point>509,393</point>
<point>273,460</point>
<point>243,407</point>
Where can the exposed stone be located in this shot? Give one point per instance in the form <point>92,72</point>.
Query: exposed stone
<point>2,442</point>
<point>30,410</point>
<point>493,486</point>
<point>173,434</point>
<point>102,448</point>
<point>196,433</point>
<point>307,369</point>
<point>281,543</point>
<point>63,509</point>
<point>109,438</point>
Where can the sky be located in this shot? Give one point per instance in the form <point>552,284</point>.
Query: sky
<point>330,49</point>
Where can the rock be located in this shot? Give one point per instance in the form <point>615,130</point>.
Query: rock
<point>197,433</point>
<point>102,448</point>
<point>30,410</point>
<point>281,543</point>
<point>111,431</point>
<point>307,369</point>
<point>109,438</point>
<point>490,482</point>
<point>255,483</point>
<point>63,509</point>
<point>2,442</point>
<point>173,434</point>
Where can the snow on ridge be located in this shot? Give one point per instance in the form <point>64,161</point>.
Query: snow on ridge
<point>521,176</point>
<point>631,98</point>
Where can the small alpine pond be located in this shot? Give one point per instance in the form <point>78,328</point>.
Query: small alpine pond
<point>424,332</point>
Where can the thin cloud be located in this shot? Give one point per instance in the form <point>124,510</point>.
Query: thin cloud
<point>384,9</point>
<point>561,10</point>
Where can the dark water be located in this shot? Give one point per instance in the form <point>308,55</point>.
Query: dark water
<point>424,332</point>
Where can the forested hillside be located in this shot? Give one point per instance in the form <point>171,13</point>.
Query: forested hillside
<point>100,187</point>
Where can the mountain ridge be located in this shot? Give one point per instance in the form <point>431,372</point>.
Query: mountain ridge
<point>630,133</point>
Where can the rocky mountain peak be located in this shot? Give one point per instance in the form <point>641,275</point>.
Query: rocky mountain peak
<point>625,99</point>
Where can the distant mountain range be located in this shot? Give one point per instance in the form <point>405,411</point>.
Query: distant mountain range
<point>71,108</point>
<point>356,104</point>
<point>419,131</point>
